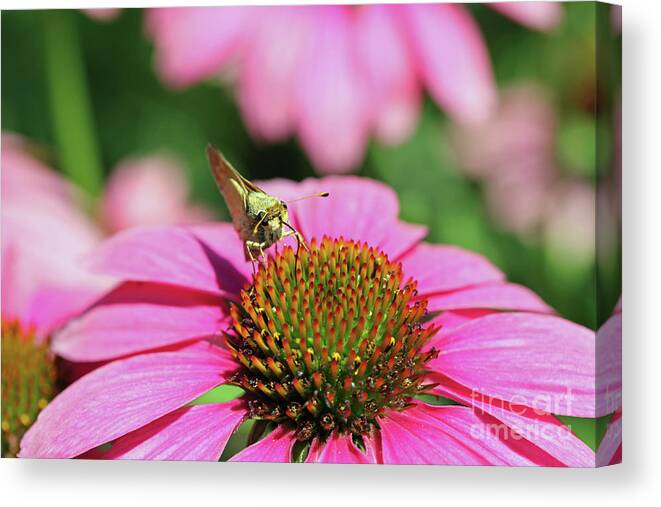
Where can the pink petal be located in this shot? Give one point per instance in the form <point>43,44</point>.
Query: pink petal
<point>503,296</point>
<point>609,366</point>
<point>396,120</point>
<point>26,227</point>
<point>225,249</point>
<point>195,433</point>
<point>137,317</point>
<point>453,60</point>
<point>390,72</point>
<point>539,361</point>
<point>444,435</point>
<point>332,104</point>
<point>193,43</point>
<point>610,448</point>
<point>275,447</point>
<point>22,170</point>
<point>121,397</point>
<point>268,72</point>
<point>175,255</point>
<point>617,457</point>
<point>402,238</point>
<point>338,449</point>
<point>51,306</point>
<point>348,212</point>
<point>537,15</point>
<point>441,268</point>
<point>543,430</point>
<point>451,319</point>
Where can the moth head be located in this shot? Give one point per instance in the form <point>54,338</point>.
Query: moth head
<point>277,211</point>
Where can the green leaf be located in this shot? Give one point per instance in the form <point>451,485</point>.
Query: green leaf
<point>219,394</point>
<point>590,431</point>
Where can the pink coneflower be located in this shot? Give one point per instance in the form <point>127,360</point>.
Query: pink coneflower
<point>333,348</point>
<point>44,233</point>
<point>334,75</point>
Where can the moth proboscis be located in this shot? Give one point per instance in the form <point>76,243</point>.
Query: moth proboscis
<point>260,219</point>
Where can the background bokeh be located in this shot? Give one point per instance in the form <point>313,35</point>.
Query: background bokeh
<point>86,92</point>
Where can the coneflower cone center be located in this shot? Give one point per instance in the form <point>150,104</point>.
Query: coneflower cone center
<point>28,383</point>
<point>329,339</point>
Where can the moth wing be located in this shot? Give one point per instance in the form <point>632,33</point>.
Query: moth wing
<point>250,186</point>
<point>232,186</point>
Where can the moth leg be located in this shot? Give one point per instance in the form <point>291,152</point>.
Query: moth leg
<point>262,255</point>
<point>259,247</point>
<point>250,245</point>
<point>299,239</point>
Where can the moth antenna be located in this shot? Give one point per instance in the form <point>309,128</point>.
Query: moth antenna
<point>320,194</point>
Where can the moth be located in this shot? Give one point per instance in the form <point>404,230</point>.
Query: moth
<point>260,219</point>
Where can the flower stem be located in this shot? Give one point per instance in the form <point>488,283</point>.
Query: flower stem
<point>71,110</point>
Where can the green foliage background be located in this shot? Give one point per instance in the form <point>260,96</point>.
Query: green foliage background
<point>87,92</point>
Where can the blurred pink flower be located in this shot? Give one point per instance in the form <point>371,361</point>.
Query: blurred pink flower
<point>333,75</point>
<point>161,326</point>
<point>146,191</point>
<point>44,235</point>
<point>513,153</point>
<point>570,221</point>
